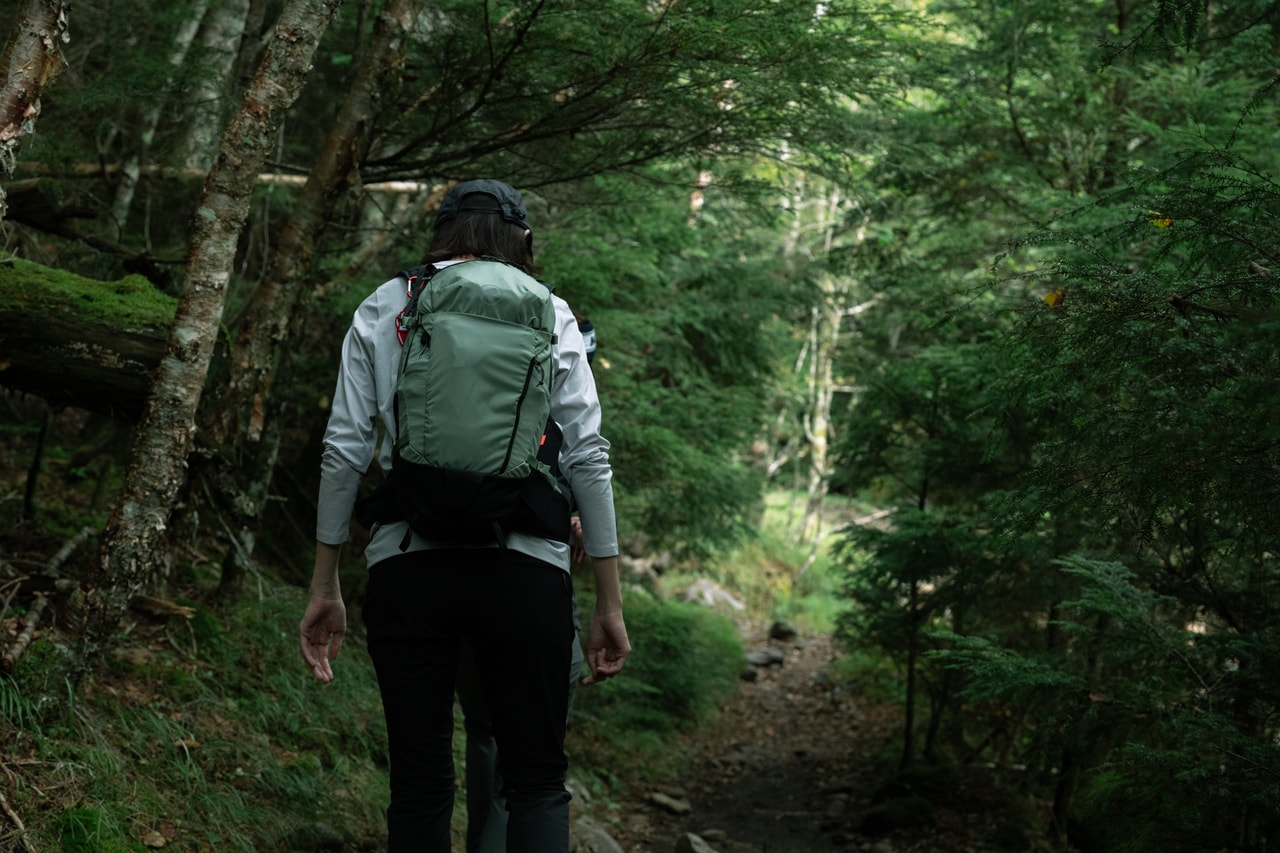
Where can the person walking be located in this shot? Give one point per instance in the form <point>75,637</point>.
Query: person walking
<point>509,600</point>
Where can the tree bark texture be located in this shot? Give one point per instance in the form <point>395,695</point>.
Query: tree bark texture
<point>132,544</point>
<point>239,413</point>
<point>32,59</point>
<point>222,30</point>
<point>264,327</point>
<point>824,341</point>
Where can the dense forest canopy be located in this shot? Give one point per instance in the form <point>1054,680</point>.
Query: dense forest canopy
<point>1001,271</point>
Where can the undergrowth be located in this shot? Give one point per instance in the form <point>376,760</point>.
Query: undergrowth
<point>216,738</point>
<point>685,662</point>
<point>772,576</point>
<point>208,733</point>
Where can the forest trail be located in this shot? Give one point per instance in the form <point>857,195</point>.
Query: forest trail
<point>784,770</point>
<point>789,767</point>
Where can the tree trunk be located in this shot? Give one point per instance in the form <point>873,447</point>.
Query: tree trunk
<point>132,168</point>
<point>96,367</point>
<point>31,61</point>
<point>239,414</point>
<point>221,32</point>
<point>824,337</point>
<point>132,542</point>
<point>908,756</point>
<point>824,341</point>
<point>78,342</point>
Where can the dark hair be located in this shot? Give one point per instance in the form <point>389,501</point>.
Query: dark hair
<point>484,234</point>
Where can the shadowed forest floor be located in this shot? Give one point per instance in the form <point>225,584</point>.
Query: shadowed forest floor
<point>794,765</point>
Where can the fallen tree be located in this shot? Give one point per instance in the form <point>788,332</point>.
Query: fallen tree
<point>80,342</point>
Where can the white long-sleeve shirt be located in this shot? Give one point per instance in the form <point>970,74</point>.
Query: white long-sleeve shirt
<point>365,396</point>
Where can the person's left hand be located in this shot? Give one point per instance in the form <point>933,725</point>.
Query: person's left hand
<point>577,550</point>
<point>320,634</point>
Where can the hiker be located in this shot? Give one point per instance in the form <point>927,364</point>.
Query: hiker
<point>510,599</point>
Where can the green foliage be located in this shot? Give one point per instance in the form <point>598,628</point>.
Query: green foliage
<point>685,662</point>
<point>926,575</point>
<point>89,830</point>
<point>1063,219</point>
<point>1168,352</point>
<point>770,574</point>
<point>577,91</point>
<point>212,732</point>
<point>612,116</point>
<point>38,697</point>
<point>997,672</point>
<point>230,744</point>
<point>1157,706</point>
<point>869,673</point>
<point>923,434</point>
<point>684,353</point>
<point>1082,457</point>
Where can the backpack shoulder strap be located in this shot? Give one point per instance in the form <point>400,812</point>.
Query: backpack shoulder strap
<point>416,279</point>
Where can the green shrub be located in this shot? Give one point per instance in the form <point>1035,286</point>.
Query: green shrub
<point>685,661</point>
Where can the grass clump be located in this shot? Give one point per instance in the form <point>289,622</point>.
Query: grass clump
<point>91,830</point>
<point>686,661</point>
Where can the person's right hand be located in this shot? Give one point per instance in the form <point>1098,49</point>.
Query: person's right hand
<point>607,646</point>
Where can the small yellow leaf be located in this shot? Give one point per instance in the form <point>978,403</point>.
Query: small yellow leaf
<point>1055,298</point>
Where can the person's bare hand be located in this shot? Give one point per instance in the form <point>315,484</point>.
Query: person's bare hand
<point>320,634</point>
<point>607,646</point>
<point>577,550</point>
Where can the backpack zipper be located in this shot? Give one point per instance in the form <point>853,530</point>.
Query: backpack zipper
<point>524,392</point>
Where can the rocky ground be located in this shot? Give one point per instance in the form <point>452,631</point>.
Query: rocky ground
<point>796,764</point>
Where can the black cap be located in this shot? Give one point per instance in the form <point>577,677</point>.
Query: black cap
<point>502,199</point>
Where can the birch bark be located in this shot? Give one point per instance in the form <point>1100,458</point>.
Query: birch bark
<point>32,59</point>
<point>131,170</point>
<point>221,32</point>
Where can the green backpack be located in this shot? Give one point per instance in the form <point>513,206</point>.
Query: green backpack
<point>475,448</point>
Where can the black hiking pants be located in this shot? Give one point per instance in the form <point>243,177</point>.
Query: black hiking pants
<point>517,614</point>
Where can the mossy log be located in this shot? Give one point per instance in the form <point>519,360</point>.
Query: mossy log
<point>80,342</point>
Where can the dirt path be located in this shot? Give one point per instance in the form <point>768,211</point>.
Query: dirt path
<point>787,768</point>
